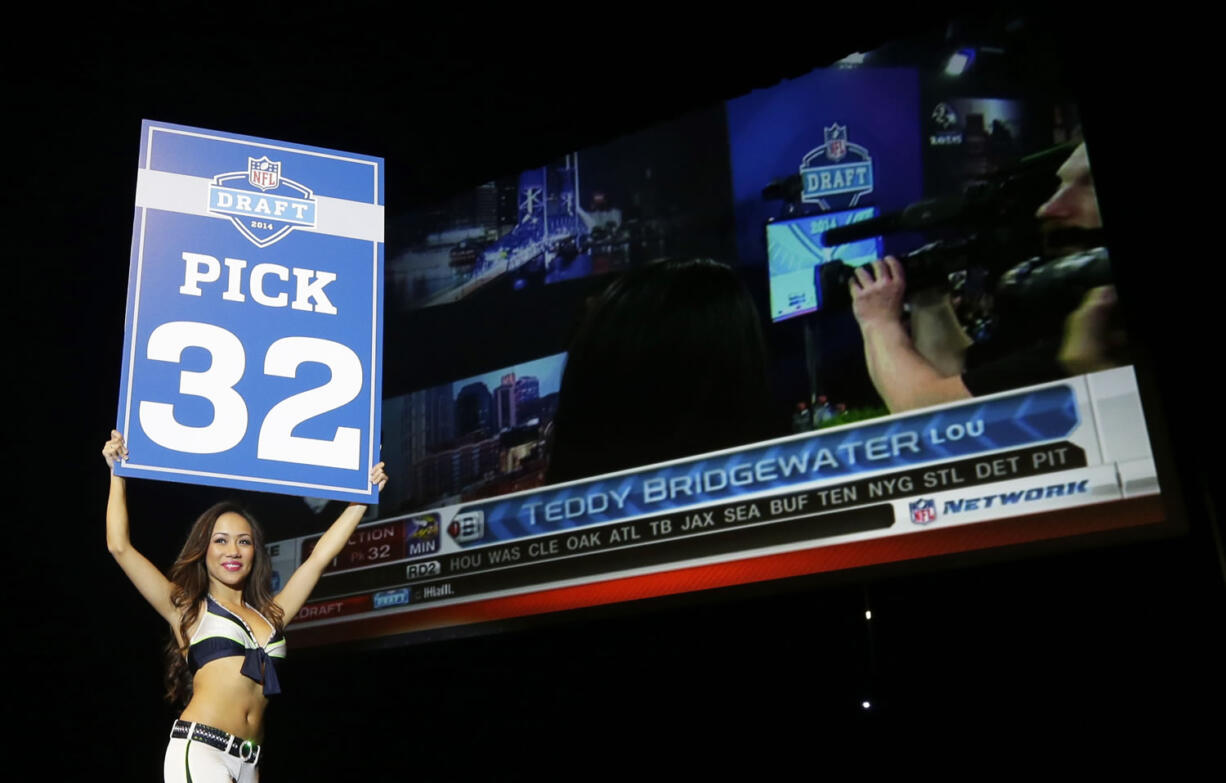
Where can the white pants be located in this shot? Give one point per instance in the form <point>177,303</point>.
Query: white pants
<point>191,761</point>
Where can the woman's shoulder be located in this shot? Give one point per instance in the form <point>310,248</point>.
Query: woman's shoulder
<point>201,607</point>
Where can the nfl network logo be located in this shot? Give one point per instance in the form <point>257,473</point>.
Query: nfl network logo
<point>923,511</point>
<point>837,168</point>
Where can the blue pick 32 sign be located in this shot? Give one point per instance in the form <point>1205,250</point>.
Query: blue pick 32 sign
<point>254,333</point>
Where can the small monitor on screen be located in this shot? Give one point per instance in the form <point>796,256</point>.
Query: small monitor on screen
<point>795,252</point>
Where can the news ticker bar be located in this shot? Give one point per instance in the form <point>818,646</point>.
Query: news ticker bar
<point>964,430</point>
<point>717,530</point>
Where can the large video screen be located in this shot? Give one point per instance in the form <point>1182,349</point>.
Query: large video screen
<point>603,383</point>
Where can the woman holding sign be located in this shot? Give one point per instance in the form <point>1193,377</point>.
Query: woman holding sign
<point>227,626</point>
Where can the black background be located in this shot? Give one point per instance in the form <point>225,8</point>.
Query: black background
<point>1107,653</point>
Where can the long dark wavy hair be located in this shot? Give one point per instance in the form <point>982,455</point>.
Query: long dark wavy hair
<point>189,579</point>
<point>668,361</point>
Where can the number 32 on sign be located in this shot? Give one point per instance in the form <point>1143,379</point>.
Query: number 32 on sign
<point>253,339</point>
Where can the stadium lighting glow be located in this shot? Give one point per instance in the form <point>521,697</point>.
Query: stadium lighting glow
<point>865,705</point>
<point>959,61</point>
<point>868,614</point>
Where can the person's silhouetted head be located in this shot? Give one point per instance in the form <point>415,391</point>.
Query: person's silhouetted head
<point>668,361</point>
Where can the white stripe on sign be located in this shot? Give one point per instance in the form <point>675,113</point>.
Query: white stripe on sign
<point>190,196</point>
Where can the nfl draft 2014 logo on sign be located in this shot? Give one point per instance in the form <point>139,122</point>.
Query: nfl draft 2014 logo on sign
<point>836,168</point>
<point>262,204</point>
<point>253,338</point>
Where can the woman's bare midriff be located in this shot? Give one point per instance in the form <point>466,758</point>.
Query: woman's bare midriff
<point>224,698</point>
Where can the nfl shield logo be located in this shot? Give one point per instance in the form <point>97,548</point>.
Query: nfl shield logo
<point>836,141</point>
<point>263,173</point>
<point>923,511</point>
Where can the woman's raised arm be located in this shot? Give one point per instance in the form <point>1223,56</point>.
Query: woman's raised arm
<point>299,587</point>
<point>151,583</point>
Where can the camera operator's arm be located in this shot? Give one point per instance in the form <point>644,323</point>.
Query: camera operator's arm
<point>938,336</point>
<point>902,377</point>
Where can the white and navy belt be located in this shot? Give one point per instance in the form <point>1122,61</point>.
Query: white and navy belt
<point>243,750</point>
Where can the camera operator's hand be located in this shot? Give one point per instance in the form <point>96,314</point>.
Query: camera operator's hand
<point>1089,336</point>
<point>877,291</point>
<point>900,374</point>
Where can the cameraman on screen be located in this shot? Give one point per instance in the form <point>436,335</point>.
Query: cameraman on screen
<point>929,365</point>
